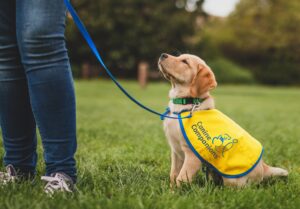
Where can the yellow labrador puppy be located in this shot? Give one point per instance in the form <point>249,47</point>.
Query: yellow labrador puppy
<point>191,78</point>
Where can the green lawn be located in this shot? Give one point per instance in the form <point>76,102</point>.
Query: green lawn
<point>123,156</point>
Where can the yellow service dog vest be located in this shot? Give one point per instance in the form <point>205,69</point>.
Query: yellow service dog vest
<point>220,142</point>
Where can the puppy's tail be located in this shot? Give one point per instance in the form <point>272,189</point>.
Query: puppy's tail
<point>274,171</point>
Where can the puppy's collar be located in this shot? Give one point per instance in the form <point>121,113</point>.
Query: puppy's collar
<point>186,101</point>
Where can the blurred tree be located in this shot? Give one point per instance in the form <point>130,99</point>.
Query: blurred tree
<point>263,35</point>
<point>128,32</point>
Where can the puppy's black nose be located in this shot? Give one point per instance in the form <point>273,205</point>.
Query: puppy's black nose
<point>163,56</point>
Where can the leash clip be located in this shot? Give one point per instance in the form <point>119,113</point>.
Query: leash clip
<point>193,108</point>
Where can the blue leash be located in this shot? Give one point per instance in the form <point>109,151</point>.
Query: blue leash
<point>90,42</point>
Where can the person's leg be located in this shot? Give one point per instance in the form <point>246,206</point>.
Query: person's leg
<point>40,35</point>
<point>16,118</point>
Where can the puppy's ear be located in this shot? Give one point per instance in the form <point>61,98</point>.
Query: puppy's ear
<point>203,81</point>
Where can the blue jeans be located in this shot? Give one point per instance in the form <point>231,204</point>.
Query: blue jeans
<point>36,86</point>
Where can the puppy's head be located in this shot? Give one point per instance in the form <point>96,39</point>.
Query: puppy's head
<point>188,71</point>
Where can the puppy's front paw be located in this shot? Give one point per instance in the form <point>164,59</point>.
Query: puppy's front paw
<point>284,172</point>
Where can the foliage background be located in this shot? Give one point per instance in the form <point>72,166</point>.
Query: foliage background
<point>131,31</point>
<point>260,37</point>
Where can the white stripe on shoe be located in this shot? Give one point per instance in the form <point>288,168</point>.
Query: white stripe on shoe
<point>58,182</point>
<point>9,176</point>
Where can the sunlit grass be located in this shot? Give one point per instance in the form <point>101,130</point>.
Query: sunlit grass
<point>123,156</point>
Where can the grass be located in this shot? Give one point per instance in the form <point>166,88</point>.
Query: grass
<point>123,156</point>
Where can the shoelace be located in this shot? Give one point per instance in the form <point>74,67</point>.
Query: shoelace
<point>8,176</point>
<point>56,183</point>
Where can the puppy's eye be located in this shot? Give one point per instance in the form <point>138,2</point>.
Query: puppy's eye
<point>185,62</point>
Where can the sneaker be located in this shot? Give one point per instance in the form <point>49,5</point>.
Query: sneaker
<point>9,176</point>
<point>58,182</point>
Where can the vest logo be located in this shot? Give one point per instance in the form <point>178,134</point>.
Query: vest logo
<point>223,143</point>
<point>217,146</point>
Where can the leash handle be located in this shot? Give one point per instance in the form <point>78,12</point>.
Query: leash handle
<point>91,44</point>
